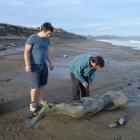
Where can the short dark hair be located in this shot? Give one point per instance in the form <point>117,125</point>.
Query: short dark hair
<point>47,26</point>
<point>98,60</point>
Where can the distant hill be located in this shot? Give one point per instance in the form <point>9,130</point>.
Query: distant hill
<point>15,36</point>
<point>118,37</point>
<point>8,30</point>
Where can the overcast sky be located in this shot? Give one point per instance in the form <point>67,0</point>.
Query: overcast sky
<point>87,17</point>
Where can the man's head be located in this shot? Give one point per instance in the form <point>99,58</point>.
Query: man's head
<point>46,29</point>
<point>97,62</point>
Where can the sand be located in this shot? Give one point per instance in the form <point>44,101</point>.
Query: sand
<point>121,72</point>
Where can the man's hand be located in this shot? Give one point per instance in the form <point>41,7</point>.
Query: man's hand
<point>85,84</point>
<point>51,67</point>
<point>27,68</point>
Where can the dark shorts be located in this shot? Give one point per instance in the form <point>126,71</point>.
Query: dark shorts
<point>39,75</point>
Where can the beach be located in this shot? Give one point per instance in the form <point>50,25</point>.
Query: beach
<point>121,72</point>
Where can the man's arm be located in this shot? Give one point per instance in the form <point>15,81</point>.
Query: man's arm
<point>78,75</point>
<point>26,57</point>
<point>91,78</point>
<point>49,59</point>
<point>80,78</point>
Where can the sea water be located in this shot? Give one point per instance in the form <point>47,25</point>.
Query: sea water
<point>135,44</point>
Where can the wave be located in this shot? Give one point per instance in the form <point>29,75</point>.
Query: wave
<point>134,41</point>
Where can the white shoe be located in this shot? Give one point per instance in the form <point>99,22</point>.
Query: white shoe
<point>33,107</point>
<point>42,103</point>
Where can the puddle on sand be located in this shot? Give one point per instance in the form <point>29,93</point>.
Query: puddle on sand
<point>11,51</point>
<point>134,100</point>
<point>61,68</point>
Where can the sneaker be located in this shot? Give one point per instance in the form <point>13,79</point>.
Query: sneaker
<point>42,103</point>
<point>33,107</point>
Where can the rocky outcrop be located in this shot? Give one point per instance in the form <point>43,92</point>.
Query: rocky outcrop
<point>7,30</point>
<point>13,30</point>
<point>15,36</point>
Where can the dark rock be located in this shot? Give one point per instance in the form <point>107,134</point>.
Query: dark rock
<point>7,80</point>
<point>123,121</point>
<point>115,124</point>
<point>129,84</point>
<point>119,122</point>
<point>1,104</point>
<point>1,49</point>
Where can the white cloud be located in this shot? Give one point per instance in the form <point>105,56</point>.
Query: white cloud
<point>12,3</point>
<point>64,2</point>
<point>33,3</point>
<point>103,28</point>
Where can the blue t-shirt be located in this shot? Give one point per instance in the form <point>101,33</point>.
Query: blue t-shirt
<point>38,52</point>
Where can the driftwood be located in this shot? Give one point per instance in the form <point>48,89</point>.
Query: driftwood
<point>84,107</point>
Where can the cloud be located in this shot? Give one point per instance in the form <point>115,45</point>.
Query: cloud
<point>64,2</point>
<point>103,28</point>
<point>43,3</point>
<point>12,3</point>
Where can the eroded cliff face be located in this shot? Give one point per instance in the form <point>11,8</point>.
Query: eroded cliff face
<point>13,35</point>
<point>13,30</point>
<point>7,30</point>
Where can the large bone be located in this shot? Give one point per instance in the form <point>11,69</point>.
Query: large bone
<point>84,107</point>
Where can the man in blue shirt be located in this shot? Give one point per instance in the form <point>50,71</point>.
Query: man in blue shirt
<point>36,53</point>
<point>82,70</point>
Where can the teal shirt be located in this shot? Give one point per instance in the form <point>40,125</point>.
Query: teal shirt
<point>38,52</point>
<point>81,68</point>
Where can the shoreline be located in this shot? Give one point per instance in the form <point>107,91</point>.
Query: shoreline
<point>117,43</point>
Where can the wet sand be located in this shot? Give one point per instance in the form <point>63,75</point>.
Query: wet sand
<point>120,73</point>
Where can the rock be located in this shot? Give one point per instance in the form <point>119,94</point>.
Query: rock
<point>119,122</point>
<point>1,104</point>
<point>123,121</point>
<point>2,49</point>
<point>129,84</point>
<point>65,55</point>
<point>7,80</point>
<point>115,124</point>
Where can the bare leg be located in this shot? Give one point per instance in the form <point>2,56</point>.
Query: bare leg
<point>34,93</point>
<point>42,91</point>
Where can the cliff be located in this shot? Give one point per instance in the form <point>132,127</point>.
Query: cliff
<point>7,30</point>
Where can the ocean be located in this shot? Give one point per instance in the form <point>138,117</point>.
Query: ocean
<point>135,44</point>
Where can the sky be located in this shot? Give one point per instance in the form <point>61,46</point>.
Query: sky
<point>86,17</point>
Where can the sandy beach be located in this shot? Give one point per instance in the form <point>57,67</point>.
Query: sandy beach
<point>121,72</point>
